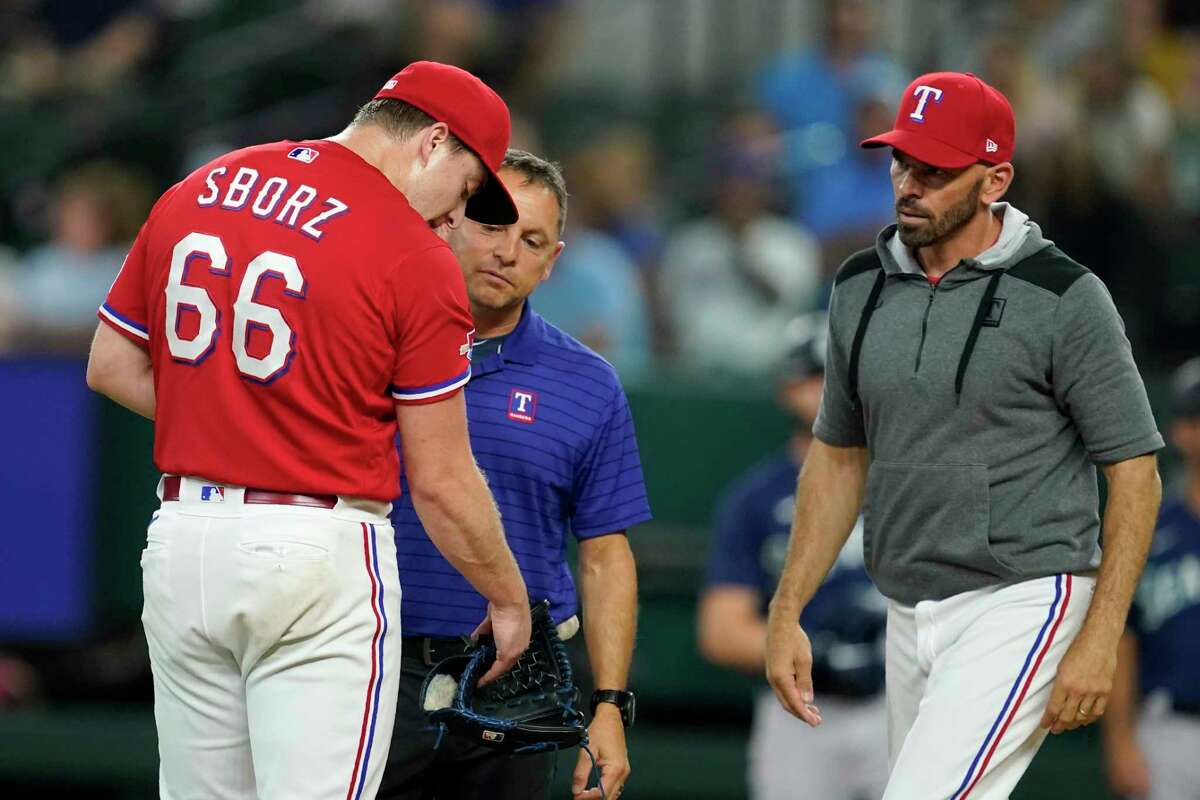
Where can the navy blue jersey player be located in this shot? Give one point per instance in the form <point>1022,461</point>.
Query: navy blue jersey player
<point>551,429</point>
<point>845,619</point>
<point>1152,728</point>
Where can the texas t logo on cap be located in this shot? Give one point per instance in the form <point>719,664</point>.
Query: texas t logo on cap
<point>951,120</point>
<point>923,92</point>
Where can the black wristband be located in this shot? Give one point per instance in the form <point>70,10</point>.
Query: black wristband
<point>624,701</point>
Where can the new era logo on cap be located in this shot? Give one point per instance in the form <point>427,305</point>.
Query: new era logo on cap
<point>951,120</point>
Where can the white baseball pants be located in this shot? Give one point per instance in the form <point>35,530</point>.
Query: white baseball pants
<point>968,679</point>
<point>1170,742</point>
<point>845,758</point>
<point>274,636</point>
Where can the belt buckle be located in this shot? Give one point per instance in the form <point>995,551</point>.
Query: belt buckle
<point>427,651</point>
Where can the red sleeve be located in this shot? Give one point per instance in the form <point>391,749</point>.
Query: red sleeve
<point>434,321</point>
<point>124,309</point>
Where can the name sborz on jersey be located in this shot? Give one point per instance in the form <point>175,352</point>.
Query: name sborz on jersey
<point>275,199</point>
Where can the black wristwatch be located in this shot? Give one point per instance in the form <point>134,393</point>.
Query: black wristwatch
<point>624,701</point>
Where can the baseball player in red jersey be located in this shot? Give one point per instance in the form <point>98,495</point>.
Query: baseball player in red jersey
<point>283,311</point>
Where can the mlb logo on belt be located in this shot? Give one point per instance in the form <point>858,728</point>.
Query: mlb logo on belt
<point>305,154</point>
<point>522,405</point>
<point>212,494</point>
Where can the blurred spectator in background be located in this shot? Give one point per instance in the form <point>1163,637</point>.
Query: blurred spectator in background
<point>819,98</point>
<point>598,291</point>
<point>57,289</point>
<point>617,169</point>
<point>595,294</point>
<point>1185,144</point>
<point>1050,105</point>
<point>847,758</point>
<point>57,46</point>
<point>850,201</point>
<point>1152,727</point>
<point>1104,189</point>
<point>1126,124</point>
<point>513,45</point>
<point>737,276</point>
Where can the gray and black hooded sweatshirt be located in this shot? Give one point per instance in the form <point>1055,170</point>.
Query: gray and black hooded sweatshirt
<point>985,403</point>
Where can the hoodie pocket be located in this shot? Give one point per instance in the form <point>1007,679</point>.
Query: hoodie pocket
<point>927,529</point>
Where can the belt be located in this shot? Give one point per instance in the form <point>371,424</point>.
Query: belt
<point>260,496</point>
<point>429,650</point>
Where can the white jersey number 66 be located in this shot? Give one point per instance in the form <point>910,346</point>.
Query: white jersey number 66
<point>247,312</point>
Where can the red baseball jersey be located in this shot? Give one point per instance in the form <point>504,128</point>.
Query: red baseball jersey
<point>289,296</point>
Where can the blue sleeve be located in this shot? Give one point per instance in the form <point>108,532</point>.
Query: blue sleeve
<point>610,492</point>
<point>735,553</point>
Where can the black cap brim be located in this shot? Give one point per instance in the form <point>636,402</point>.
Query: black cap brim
<point>492,204</point>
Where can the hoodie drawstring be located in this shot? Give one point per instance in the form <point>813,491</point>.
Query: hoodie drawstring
<point>863,321</point>
<point>985,305</point>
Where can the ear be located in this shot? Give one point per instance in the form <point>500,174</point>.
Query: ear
<point>433,137</point>
<point>996,182</point>
<point>549,268</point>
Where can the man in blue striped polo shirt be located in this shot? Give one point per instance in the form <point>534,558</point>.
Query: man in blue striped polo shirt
<point>551,429</point>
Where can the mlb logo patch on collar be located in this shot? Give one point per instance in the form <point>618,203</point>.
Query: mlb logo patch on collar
<point>212,494</point>
<point>522,405</point>
<point>305,154</point>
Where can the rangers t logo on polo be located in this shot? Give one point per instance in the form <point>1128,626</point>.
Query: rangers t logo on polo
<point>522,405</point>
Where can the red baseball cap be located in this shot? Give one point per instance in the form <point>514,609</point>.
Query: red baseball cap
<point>951,120</point>
<point>474,113</point>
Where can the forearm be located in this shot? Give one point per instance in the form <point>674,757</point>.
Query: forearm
<point>462,521</point>
<point>121,371</point>
<point>1134,494</point>
<point>137,395</point>
<point>828,498</point>
<point>742,647</point>
<point>608,591</point>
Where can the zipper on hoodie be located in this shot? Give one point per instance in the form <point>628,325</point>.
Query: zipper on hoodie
<point>933,287</point>
<point>925,323</point>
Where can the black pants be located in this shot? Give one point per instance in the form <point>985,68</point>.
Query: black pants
<point>458,769</point>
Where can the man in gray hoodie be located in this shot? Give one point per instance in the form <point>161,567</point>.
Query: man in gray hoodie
<point>976,377</point>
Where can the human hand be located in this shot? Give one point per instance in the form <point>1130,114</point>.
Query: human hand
<point>1081,688</point>
<point>789,667</point>
<point>509,626</point>
<point>607,737</point>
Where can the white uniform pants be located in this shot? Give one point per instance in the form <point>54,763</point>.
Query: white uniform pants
<point>274,636</point>
<point>844,759</point>
<point>968,679</point>
<point>1171,744</point>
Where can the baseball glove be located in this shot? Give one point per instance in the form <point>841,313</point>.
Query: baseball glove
<point>530,709</point>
